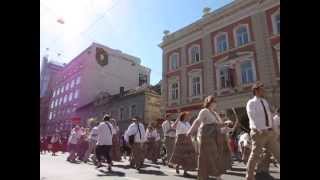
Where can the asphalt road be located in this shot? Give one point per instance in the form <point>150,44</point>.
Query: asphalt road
<point>57,168</point>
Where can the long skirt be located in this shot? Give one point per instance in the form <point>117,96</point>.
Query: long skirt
<point>184,153</point>
<point>150,149</point>
<point>137,155</point>
<point>214,157</point>
<point>116,156</point>
<point>169,144</point>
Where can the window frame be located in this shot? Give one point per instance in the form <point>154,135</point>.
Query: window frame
<point>171,68</point>
<point>216,38</point>
<point>195,73</point>
<point>246,26</point>
<point>171,81</point>
<point>274,22</point>
<point>121,113</point>
<point>190,53</point>
<point>78,80</point>
<point>252,70</point>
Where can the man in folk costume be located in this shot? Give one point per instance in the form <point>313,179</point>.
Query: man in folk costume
<point>116,156</point>
<point>93,136</point>
<point>136,136</point>
<point>104,142</point>
<point>150,144</point>
<point>262,134</point>
<point>169,137</point>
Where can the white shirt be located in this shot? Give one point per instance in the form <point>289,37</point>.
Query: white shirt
<point>256,113</point>
<point>245,139</point>
<point>94,133</point>
<point>276,123</point>
<point>182,127</point>
<point>133,130</point>
<point>74,137</point>
<point>153,134</point>
<point>115,130</point>
<point>104,133</point>
<point>206,117</point>
<point>166,126</point>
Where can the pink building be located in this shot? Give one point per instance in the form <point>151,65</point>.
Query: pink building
<point>98,68</point>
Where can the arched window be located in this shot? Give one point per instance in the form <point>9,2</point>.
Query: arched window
<point>221,43</point>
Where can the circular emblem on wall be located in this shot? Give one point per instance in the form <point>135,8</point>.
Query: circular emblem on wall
<point>101,56</point>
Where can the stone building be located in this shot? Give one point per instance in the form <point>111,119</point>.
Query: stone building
<point>143,102</point>
<point>223,54</point>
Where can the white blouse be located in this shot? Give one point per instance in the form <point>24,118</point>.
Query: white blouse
<point>182,127</point>
<point>206,117</point>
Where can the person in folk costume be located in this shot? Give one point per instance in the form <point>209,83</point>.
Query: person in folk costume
<point>104,142</point>
<point>244,145</point>
<point>169,137</point>
<point>150,144</point>
<point>64,142</point>
<point>183,153</point>
<point>84,143</point>
<point>137,134</point>
<point>116,156</point>
<point>126,151</point>
<point>212,143</point>
<point>157,144</point>
<point>49,144</point>
<point>73,143</point>
<point>266,157</point>
<point>92,141</point>
<point>41,145</point>
<point>262,132</point>
<point>55,143</point>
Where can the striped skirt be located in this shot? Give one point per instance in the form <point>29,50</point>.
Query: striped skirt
<point>184,153</point>
<point>214,157</point>
<point>137,154</point>
<point>115,152</point>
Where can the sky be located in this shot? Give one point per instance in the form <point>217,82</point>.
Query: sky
<point>132,26</point>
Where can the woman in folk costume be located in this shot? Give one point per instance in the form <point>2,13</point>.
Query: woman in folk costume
<point>116,156</point>
<point>135,135</point>
<point>212,142</point>
<point>183,153</point>
<point>55,144</point>
<point>157,143</point>
<point>150,144</point>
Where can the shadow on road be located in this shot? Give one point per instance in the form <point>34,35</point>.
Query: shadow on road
<point>153,172</point>
<point>111,173</point>
<point>264,176</point>
<point>189,176</point>
<point>236,174</point>
<point>237,169</point>
<point>122,166</point>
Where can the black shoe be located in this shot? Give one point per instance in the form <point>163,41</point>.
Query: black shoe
<point>109,168</point>
<point>177,170</point>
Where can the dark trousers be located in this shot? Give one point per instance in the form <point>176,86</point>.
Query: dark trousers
<point>104,150</point>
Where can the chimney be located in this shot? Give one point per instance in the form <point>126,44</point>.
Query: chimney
<point>206,11</point>
<point>121,91</point>
<point>166,34</point>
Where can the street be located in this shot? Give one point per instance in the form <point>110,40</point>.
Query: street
<point>57,168</point>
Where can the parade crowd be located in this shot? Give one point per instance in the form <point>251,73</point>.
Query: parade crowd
<point>207,144</point>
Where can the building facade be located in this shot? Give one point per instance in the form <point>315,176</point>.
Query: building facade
<point>143,102</point>
<point>48,72</point>
<point>98,68</point>
<point>223,54</point>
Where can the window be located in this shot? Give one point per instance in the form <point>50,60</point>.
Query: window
<point>52,104</point>
<point>121,114</point>
<point>196,86</point>
<point>68,110</point>
<point>78,80</point>
<point>133,110</point>
<point>70,96</point>
<point>54,93</point>
<point>60,101</point>
<point>76,94</point>
<point>65,98</point>
<point>222,43</point>
<point>72,83</point>
<point>174,61</point>
<point>247,72</point>
<point>174,91</point>
<point>226,77</point>
<point>62,89</point>
<point>195,54</point>
<point>143,79</point>
<point>56,103</point>
<point>242,36</point>
<point>67,86</point>
<point>58,91</point>
<point>50,115</point>
<point>276,23</point>
<point>277,19</point>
